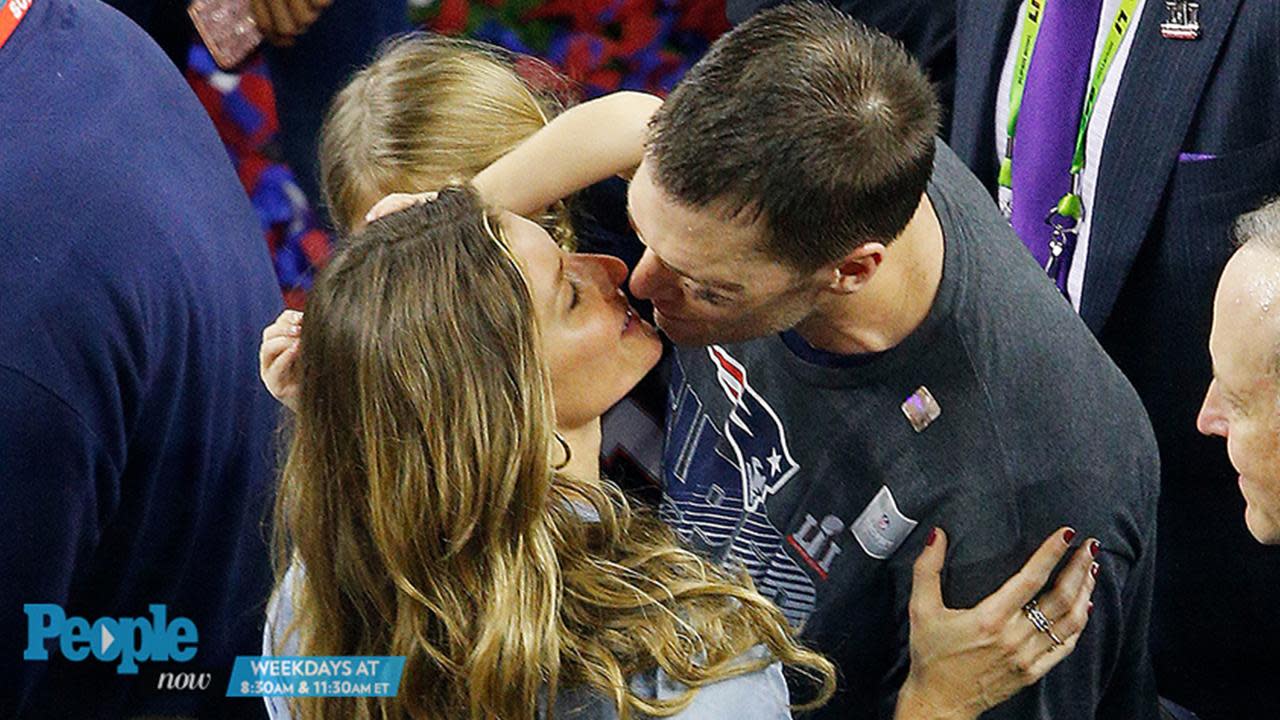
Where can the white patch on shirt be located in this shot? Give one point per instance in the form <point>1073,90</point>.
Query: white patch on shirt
<point>882,527</point>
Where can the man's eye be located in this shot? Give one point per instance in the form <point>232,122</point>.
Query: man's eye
<point>573,297</point>
<point>710,297</point>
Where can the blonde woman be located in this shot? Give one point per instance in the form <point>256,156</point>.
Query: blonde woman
<point>444,347</point>
<point>429,509</point>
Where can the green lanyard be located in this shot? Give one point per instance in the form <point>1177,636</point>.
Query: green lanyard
<point>1070,205</point>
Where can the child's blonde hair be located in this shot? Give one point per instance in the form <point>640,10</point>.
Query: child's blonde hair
<point>427,112</point>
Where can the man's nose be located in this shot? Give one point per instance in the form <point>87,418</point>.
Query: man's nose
<point>652,281</point>
<point>1211,420</point>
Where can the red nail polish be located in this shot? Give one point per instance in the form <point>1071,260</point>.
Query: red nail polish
<point>933,535</point>
<point>1090,609</point>
<point>1094,570</point>
<point>1094,548</point>
<point>1068,535</point>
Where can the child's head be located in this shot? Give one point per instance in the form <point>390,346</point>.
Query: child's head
<point>427,112</point>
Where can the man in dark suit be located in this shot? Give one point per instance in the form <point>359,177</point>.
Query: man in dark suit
<point>927,28</point>
<point>1184,136</point>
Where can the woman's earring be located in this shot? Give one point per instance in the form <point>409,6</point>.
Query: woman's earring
<point>568,454</point>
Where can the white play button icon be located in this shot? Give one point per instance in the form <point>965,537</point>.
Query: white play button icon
<point>107,637</point>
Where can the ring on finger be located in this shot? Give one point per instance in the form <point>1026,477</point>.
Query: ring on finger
<point>1036,616</point>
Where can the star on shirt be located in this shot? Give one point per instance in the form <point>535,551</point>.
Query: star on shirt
<point>775,463</point>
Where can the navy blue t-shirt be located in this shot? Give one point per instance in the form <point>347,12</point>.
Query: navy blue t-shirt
<point>136,442</point>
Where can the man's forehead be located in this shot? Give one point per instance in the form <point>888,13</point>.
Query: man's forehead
<point>1246,317</point>
<point>700,243</point>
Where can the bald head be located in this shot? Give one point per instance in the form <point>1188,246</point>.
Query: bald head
<point>1243,402</point>
<point>1250,285</point>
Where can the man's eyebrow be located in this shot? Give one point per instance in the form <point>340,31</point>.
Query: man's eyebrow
<point>726,286</point>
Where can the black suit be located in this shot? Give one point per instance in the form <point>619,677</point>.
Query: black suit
<point>1160,238</point>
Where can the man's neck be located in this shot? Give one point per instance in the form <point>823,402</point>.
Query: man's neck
<point>893,303</point>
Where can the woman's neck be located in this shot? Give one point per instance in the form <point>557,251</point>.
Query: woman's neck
<point>584,451</point>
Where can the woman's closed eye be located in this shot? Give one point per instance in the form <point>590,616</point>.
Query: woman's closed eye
<point>574,293</point>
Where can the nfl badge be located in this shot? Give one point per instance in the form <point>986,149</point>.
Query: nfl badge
<point>921,409</point>
<point>882,527</point>
<point>1183,22</point>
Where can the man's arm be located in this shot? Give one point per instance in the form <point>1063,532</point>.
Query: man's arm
<point>54,480</point>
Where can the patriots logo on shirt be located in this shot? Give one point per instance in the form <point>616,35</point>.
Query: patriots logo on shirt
<point>704,499</point>
<point>755,433</point>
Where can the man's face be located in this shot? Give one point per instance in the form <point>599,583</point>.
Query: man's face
<point>1243,402</point>
<point>706,276</point>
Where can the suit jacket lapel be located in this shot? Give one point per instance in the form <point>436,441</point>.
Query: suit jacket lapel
<point>1159,93</point>
<point>980,55</point>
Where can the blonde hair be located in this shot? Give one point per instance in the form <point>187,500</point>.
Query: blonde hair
<point>427,112</point>
<point>420,497</point>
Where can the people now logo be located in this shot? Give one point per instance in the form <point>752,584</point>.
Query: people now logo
<point>129,639</point>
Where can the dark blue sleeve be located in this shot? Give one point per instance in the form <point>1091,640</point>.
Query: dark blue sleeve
<point>57,486</point>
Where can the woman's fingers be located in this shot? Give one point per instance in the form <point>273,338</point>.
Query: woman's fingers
<point>272,349</point>
<point>278,375</point>
<point>1069,629</point>
<point>1067,606</point>
<point>1076,616</point>
<point>926,585</point>
<point>288,324</point>
<point>1058,601</point>
<point>278,353</point>
<point>1021,589</point>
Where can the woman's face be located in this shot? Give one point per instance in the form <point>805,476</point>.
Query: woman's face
<point>596,346</point>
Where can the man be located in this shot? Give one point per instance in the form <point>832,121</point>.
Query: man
<point>927,29</point>
<point>866,349</point>
<point>1243,401</point>
<point>135,442</point>
<point>1181,140</point>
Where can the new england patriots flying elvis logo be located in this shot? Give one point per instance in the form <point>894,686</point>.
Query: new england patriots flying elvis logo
<point>755,433</point>
<point>719,476</point>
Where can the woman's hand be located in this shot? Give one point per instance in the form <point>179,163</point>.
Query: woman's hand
<point>965,662</point>
<point>277,357</point>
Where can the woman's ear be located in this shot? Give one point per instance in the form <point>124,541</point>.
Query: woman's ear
<point>851,273</point>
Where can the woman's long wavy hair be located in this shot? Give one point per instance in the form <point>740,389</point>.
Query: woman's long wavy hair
<point>420,497</point>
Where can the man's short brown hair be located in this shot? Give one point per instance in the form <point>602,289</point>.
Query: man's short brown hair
<point>806,118</point>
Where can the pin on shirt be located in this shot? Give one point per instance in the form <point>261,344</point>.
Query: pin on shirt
<point>921,409</point>
<point>1183,22</point>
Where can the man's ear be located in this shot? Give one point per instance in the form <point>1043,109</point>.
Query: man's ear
<point>851,273</point>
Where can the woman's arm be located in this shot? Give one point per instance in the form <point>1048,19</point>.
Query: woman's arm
<point>965,662</point>
<point>586,144</point>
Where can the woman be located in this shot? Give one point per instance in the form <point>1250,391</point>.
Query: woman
<point>421,512</point>
<point>382,136</point>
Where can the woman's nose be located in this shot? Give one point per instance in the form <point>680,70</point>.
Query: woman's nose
<point>610,270</point>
